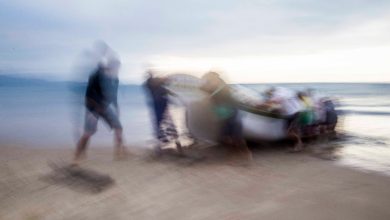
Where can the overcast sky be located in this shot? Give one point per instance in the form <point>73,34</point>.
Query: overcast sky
<point>250,41</point>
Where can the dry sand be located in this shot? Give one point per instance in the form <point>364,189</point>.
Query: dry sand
<point>278,185</point>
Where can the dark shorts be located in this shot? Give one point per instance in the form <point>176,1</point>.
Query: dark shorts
<point>109,115</point>
<point>331,117</point>
<point>293,122</point>
<point>232,127</point>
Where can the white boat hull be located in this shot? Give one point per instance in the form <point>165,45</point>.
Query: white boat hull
<point>202,124</point>
<point>258,127</point>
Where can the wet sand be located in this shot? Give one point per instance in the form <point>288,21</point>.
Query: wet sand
<point>278,185</point>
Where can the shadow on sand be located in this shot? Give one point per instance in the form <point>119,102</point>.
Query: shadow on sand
<point>78,179</point>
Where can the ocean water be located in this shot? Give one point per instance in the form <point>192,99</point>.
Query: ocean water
<point>51,115</point>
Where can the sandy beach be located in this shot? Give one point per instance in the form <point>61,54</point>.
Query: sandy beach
<point>278,185</point>
<point>305,83</point>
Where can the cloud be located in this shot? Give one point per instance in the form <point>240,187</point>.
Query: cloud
<point>46,36</point>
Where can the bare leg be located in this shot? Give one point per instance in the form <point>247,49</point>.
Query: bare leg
<point>243,155</point>
<point>157,149</point>
<point>238,150</point>
<point>81,148</point>
<point>298,145</point>
<point>179,147</point>
<point>120,151</point>
<point>241,144</point>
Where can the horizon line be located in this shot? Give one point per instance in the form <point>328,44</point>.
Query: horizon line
<point>242,83</point>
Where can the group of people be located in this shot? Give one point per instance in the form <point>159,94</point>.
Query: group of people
<point>306,113</point>
<point>101,102</point>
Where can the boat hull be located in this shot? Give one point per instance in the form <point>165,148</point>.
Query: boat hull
<point>203,124</point>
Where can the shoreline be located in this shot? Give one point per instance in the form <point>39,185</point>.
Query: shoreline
<point>278,185</point>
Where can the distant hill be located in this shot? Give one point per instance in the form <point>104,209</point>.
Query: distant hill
<point>21,81</point>
<point>8,80</point>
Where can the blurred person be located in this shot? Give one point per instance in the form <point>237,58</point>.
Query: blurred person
<point>101,101</point>
<point>86,64</point>
<point>331,116</point>
<point>288,105</point>
<point>307,115</point>
<point>325,114</point>
<point>225,108</point>
<point>319,114</point>
<point>164,128</point>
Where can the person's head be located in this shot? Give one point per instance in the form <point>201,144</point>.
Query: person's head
<point>149,74</point>
<point>301,95</point>
<point>112,67</point>
<point>269,92</point>
<point>210,76</point>
<point>210,81</point>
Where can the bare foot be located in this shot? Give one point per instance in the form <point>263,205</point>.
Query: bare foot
<point>179,147</point>
<point>297,148</point>
<point>78,158</point>
<point>121,153</point>
<point>75,163</point>
<point>241,159</point>
<point>157,151</point>
<point>240,162</point>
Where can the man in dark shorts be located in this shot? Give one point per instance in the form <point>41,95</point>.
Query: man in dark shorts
<point>101,101</point>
